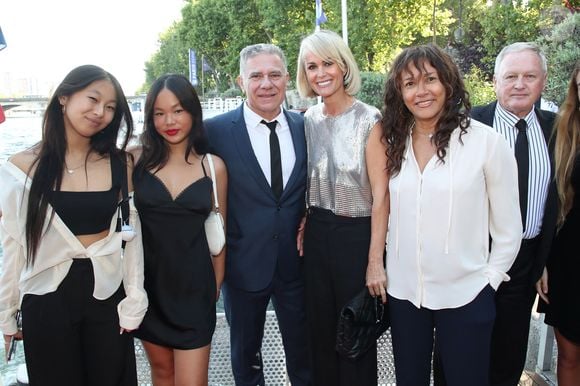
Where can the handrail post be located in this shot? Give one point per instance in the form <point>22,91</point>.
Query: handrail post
<point>546,347</point>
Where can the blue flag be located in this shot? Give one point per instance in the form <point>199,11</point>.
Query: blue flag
<point>205,67</point>
<point>192,67</point>
<point>320,16</point>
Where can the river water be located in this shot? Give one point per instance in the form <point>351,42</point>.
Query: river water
<point>16,134</point>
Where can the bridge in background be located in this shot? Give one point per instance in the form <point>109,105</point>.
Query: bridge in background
<point>35,105</point>
<point>15,107</point>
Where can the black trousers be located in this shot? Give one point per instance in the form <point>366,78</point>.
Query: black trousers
<point>246,315</point>
<point>71,338</point>
<point>335,261</point>
<point>514,300</point>
<point>463,335</point>
<point>509,344</point>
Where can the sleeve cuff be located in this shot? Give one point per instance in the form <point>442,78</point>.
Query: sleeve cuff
<point>496,277</point>
<point>9,328</point>
<point>132,309</point>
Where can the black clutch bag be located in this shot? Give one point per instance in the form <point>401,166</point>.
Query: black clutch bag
<point>362,321</point>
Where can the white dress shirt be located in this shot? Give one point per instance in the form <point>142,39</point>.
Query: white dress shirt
<point>54,257</point>
<point>260,138</point>
<point>504,123</point>
<point>438,253</point>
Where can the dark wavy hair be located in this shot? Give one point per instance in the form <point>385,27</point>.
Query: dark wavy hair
<point>52,148</point>
<point>397,119</point>
<point>155,151</point>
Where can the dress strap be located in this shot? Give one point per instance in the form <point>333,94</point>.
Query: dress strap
<point>119,176</point>
<point>202,166</point>
<point>117,166</point>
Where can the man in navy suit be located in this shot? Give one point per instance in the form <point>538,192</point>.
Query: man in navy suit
<point>519,78</point>
<point>266,187</point>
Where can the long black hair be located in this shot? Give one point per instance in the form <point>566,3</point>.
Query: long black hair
<point>155,151</point>
<point>52,147</point>
<point>397,119</point>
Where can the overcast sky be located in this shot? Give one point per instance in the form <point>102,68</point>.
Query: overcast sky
<point>48,38</point>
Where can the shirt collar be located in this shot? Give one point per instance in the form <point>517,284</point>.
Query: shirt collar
<point>254,120</point>
<point>511,119</point>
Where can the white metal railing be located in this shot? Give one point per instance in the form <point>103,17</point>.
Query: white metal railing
<point>221,104</point>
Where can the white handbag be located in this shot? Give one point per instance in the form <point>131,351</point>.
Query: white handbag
<point>214,224</point>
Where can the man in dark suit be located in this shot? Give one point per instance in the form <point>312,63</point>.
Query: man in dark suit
<point>519,78</point>
<point>264,149</point>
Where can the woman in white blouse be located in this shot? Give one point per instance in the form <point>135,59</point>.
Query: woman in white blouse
<point>63,265</point>
<point>453,189</point>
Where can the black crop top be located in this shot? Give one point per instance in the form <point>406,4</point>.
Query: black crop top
<point>86,213</point>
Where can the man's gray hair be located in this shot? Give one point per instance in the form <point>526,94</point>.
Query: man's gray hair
<point>258,49</point>
<point>519,47</point>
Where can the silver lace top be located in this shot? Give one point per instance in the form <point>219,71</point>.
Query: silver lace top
<point>337,172</point>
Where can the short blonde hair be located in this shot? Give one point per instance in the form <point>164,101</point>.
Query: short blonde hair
<point>328,46</point>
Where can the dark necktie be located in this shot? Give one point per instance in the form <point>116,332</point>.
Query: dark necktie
<point>523,160</point>
<point>275,159</point>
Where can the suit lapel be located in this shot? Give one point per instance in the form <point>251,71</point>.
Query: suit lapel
<point>297,133</point>
<point>488,113</point>
<point>240,136</point>
<point>545,124</point>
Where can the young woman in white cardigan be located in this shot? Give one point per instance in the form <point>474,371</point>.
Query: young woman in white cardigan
<point>63,263</point>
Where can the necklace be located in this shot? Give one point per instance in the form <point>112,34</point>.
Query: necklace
<point>72,170</point>
<point>412,128</point>
<point>430,135</point>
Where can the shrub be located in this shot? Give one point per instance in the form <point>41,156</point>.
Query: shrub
<point>562,51</point>
<point>232,93</point>
<point>481,91</point>
<point>372,87</point>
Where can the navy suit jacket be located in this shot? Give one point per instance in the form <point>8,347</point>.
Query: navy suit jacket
<point>261,231</point>
<point>486,115</point>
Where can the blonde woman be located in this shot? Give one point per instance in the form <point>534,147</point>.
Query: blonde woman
<point>344,238</point>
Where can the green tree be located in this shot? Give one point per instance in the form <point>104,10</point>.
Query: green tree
<point>205,27</point>
<point>170,58</point>
<point>219,29</point>
<point>506,22</point>
<point>286,22</point>
<point>379,28</point>
<point>562,51</point>
<point>372,88</point>
<point>480,89</point>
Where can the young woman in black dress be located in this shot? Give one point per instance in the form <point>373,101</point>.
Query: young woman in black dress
<point>173,194</point>
<point>559,287</point>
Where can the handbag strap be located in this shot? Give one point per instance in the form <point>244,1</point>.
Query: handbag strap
<point>121,168</point>
<point>212,173</point>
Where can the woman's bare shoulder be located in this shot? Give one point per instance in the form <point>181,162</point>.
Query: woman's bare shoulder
<point>25,159</point>
<point>218,163</point>
<point>135,151</point>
